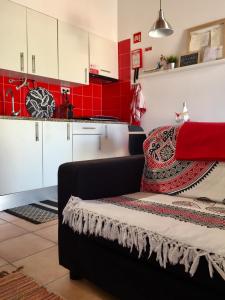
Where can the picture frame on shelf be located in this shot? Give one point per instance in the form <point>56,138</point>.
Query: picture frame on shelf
<point>190,58</point>
<point>208,37</point>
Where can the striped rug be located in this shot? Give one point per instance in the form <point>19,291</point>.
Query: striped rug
<point>36,213</point>
<point>17,286</point>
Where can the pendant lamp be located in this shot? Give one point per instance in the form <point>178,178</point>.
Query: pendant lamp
<point>161,28</point>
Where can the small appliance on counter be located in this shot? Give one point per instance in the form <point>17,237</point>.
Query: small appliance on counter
<point>70,108</point>
<point>66,109</point>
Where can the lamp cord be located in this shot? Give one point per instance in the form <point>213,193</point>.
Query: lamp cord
<point>160,4</point>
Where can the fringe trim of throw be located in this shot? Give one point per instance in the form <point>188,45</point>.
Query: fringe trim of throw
<point>166,249</point>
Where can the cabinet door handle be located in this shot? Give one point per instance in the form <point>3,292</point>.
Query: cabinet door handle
<point>105,71</point>
<point>88,127</point>
<point>68,132</point>
<point>33,64</point>
<point>36,132</point>
<point>106,131</point>
<point>85,74</point>
<point>21,61</point>
<point>99,143</point>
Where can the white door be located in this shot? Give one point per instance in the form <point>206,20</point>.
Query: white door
<point>104,56</point>
<point>20,156</point>
<point>116,140</point>
<point>73,53</point>
<point>13,49</point>
<point>42,44</point>
<point>57,149</point>
<point>87,146</point>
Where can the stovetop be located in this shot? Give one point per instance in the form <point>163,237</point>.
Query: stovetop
<point>97,118</point>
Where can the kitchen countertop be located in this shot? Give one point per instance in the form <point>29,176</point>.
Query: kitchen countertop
<point>62,120</point>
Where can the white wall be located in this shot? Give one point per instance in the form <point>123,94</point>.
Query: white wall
<point>134,16</point>
<point>97,16</point>
<point>203,89</point>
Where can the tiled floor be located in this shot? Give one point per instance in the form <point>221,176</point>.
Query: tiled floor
<point>35,248</point>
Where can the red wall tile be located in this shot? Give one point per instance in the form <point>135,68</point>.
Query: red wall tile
<point>77,90</point>
<point>77,101</point>
<point>124,46</point>
<point>87,90</point>
<point>97,90</point>
<point>97,104</point>
<point>78,112</point>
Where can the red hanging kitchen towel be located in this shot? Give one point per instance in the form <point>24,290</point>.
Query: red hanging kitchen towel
<point>137,105</point>
<point>201,141</point>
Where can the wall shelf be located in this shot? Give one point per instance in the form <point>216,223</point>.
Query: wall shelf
<point>183,69</point>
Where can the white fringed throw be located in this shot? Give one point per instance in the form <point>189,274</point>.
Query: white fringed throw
<point>178,230</point>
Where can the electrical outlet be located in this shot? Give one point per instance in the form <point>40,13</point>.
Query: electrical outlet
<point>65,90</point>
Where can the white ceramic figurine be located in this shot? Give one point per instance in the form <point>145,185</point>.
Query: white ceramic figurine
<point>184,115</point>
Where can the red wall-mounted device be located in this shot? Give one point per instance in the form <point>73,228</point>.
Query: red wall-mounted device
<point>136,59</point>
<point>137,37</point>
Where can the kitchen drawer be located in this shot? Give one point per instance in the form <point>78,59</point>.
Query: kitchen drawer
<point>88,128</point>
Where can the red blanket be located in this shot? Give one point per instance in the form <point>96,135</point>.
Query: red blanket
<point>201,141</point>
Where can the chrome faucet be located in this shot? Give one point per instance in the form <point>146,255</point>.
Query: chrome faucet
<point>13,113</point>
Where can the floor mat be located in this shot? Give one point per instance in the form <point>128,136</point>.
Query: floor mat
<point>19,286</point>
<point>36,213</point>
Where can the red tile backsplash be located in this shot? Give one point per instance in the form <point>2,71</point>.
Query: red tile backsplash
<point>81,97</point>
<point>77,101</point>
<point>87,103</point>
<point>124,60</point>
<point>87,90</point>
<point>124,46</point>
<point>95,99</point>
<point>116,97</point>
<point>77,90</point>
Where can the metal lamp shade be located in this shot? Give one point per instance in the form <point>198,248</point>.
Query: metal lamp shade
<point>161,27</point>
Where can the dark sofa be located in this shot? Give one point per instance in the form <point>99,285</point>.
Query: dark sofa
<point>108,264</point>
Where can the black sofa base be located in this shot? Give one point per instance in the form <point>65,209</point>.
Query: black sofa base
<point>109,265</point>
<point>114,269</point>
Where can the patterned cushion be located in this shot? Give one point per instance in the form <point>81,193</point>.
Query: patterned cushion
<point>164,174</point>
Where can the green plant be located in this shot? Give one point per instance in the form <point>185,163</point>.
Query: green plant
<point>171,59</point>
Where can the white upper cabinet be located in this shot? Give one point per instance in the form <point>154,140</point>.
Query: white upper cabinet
<point>103,56</point>
<point>73,53</point>
<point>42,44</point>
<point>13,49</point>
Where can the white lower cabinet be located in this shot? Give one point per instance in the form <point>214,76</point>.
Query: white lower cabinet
<point>94,141</point>
<point>57,149</point>
<point>87,141</point>
<point>115,141</point>
<point>86,146</point>
<point>32,151</point>
<point>20,156</point>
